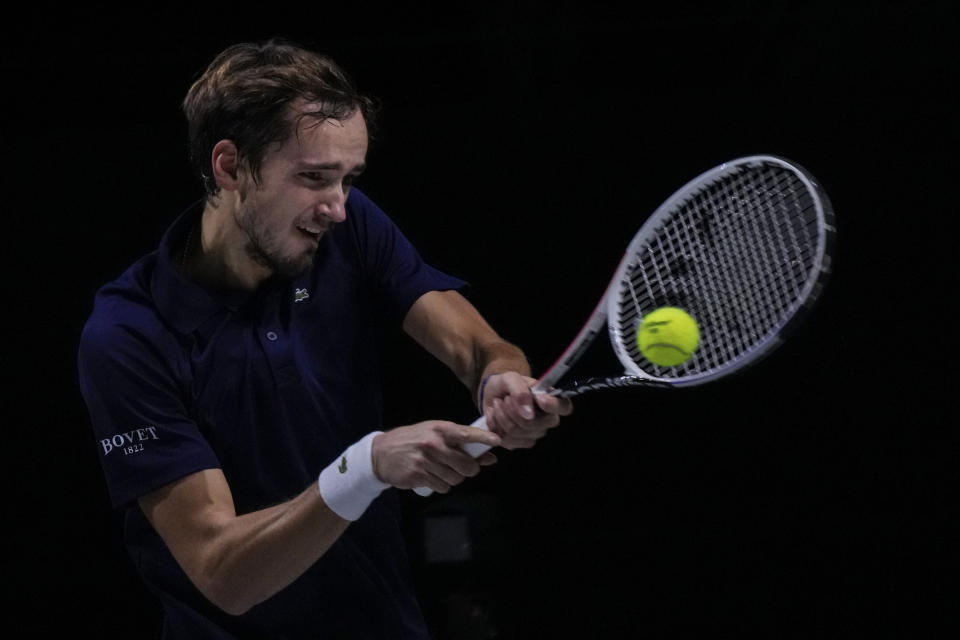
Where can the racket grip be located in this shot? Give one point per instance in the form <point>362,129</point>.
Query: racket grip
<point>475,449</point>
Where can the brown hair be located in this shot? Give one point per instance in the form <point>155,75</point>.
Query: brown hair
<point>245,95</point>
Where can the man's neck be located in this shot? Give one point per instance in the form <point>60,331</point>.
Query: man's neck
<point>215,253</point>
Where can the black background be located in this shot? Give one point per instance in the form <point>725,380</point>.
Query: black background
<point>520,147</point>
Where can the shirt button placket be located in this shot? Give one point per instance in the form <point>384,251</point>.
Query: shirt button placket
<point>280,358</point>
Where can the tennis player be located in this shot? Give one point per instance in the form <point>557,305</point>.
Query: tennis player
<point>231,374</point>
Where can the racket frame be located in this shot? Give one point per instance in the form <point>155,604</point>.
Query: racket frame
<point>607,307</point>
<point>790,319</point>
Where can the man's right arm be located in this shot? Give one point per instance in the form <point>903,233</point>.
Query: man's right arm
<point>237,561</point>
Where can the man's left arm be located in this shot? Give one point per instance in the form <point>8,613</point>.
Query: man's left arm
<point>495,371</point>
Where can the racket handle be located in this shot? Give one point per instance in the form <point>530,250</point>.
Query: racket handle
<point>475,449</point>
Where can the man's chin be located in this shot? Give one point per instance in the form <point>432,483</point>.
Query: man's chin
<point>285,267</point>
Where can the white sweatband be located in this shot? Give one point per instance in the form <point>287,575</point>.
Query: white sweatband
<point>348,485</point>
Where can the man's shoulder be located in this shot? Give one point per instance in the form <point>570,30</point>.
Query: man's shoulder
<point>358,199</point>
<point>360,205</point>
<point>125,309</point>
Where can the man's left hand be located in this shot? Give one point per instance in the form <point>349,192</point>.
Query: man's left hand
<point>519,416</point>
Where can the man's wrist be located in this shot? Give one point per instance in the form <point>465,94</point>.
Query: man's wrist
<point>348,485</point>
<point>483,384</point>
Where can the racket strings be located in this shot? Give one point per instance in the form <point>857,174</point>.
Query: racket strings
<point>754,290</point>
<point>751,290</point>
<point>737,254</point>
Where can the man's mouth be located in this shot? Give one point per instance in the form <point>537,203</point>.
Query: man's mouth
<point>312,231</point>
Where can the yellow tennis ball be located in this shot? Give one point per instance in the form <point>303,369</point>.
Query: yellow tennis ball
<point>668,336</point>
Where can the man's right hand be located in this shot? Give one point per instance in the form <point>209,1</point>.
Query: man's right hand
<point>429,454</point>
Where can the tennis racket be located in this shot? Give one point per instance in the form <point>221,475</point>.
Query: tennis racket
<point>745,248</point>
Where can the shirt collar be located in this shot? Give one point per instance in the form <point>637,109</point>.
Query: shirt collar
<point>185,304</point>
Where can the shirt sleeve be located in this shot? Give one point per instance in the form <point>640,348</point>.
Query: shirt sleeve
<point>143,433</point>
<point>392,264</point>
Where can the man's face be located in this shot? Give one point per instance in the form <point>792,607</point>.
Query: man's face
<point>302,192</point>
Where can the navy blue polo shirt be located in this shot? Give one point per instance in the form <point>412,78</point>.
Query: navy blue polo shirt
<point>270,387</point>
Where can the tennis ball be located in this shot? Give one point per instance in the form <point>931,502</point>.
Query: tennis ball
<point>668,336</point>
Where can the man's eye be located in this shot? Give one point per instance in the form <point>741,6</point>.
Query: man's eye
<point>321,180</point>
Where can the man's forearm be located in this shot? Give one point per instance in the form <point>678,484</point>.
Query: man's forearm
<point>451,329</point>
<point>239,561</point>
<point>263,552</point>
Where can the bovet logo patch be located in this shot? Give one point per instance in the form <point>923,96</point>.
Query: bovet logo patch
<point>129,441</point>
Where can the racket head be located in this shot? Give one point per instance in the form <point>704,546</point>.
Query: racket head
<point>744,248</point>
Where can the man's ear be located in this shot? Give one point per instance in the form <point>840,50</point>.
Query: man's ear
<point>225,161</point>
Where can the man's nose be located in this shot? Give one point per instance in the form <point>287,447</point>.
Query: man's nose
<point>333,207</point>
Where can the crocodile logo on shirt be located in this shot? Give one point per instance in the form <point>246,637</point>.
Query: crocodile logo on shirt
<point>343,465</point>
<point>300,295</point>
